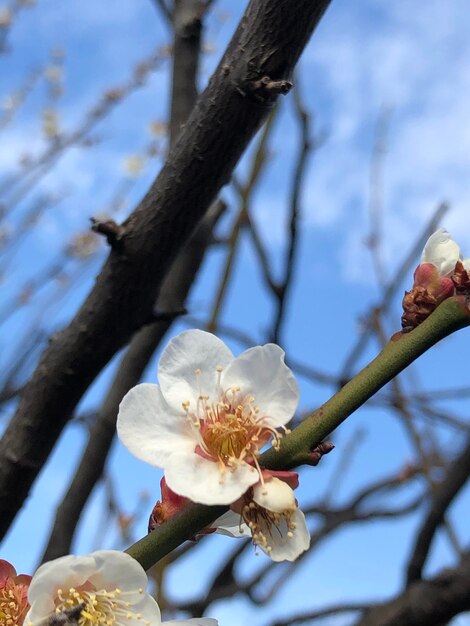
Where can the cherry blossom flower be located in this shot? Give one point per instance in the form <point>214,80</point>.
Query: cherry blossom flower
<point>13,595</point>
<point>105,587</point>
<point>210,415</point>
<point>269,513</point>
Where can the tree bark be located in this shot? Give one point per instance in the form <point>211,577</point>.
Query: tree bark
<point>254,70</point>
<point>187,28</point>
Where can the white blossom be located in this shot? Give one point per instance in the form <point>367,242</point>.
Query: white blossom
<point>107,584</point>
<point>269,513</point>
<point>210,415</point>
<point>442,251</point>
<point>105,587</point>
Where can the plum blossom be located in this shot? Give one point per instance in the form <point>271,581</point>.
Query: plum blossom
<point>13,595</point>
<point>269,513</point>
<point>105,587</point>
<point>441,251</point>
<point>211,413</point>
<point>436,278</point>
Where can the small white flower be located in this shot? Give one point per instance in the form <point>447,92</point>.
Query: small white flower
<point>107,584</point>
<point>442,251</point>
<point>210,415</point>
<point>269,512</point>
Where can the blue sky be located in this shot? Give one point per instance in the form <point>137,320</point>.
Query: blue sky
<point>365,56</point>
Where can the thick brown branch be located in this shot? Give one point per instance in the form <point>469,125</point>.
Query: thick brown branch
<point>171,299</point>
<point>268,42</point>
<point>141,349</point>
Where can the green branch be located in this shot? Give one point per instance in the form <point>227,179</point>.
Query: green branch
<point>295,449</point>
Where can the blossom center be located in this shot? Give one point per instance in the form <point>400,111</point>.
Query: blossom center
<point>103,607</point>
<point>265,524</point>
<point>231,428</point>
<point>12,610</point>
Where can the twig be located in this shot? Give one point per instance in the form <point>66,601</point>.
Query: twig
<point>389,291</point>
<point>431,602</point>
<point>305,150</point>
<point>443,494</point>
<point>335,609</point>
<point>164,10</point>
<point>245,192</point>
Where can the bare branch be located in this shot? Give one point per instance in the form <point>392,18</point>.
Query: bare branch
<point>268,42</point>
<point>389,292</point>
<point>443,495</point>
<point>431,602</point>
<point>164,9</point>
<point>171,299</point>
<point>335,609</point>
<point>305,149</point>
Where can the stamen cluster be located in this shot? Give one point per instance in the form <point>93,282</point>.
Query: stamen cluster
<point>97,607</point>
<point>232,428</point>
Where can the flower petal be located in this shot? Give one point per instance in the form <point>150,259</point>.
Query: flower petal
<point>262,373</point>
<point>274,495</point>
<point>149,428</point>
<point>62,572</point>
<point>187,353</point>
<point>147,610</point>
<point>230,525</point>
<point>116,569</point>
<point>284,548</point>
<point>6,571</point>
<point>442,251</point>
<point>201,480</point>
<point>466,264</point>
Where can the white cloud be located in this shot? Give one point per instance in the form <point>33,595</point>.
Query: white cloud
<point>416,62</point>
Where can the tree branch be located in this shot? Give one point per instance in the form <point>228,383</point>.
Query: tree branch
<point>444,493</point>
<point>296,447</point>
<point>268,42</point>
<point>172,298</point>
<point>430,602</point>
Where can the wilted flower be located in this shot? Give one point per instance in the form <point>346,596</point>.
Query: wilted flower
<point>209,416</point>
<point>13,595</point>
<point>103,588</point>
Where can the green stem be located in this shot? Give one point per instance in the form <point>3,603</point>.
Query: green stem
<point>295,449</point>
